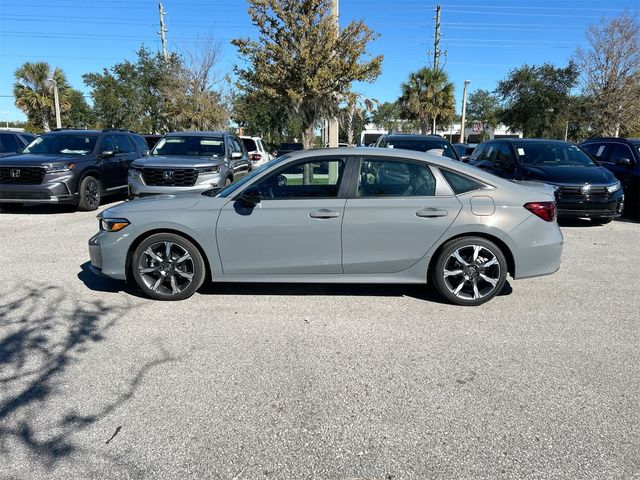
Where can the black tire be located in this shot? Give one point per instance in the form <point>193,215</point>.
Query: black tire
<point>601,221</point>
<point>168,280</point>
<point>90,192</point>
<point>480,272</point>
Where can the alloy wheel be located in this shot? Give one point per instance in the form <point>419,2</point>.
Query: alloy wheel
<point>92,192</point>
<point>166,268</point>
<point>471,272</point>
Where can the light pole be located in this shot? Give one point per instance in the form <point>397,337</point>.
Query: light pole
<point>56,101</point>
<point>464,110</point>
<point>6,119</point>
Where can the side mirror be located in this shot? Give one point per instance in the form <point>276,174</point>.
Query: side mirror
<point>108,153</point>
<point>251,196</point>
<point>465,158</point>
<point>625,162</point>
<point>236,155</point>
<point>146,153</point>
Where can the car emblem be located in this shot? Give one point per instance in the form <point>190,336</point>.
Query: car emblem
<point>167,174</point>
<point>585,189</point>
<point>14,173</point>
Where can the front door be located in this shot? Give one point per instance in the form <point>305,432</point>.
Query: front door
<point>127,154</point>
<point>296,227</point>
<point>395,217</point>
<point>111,165</point>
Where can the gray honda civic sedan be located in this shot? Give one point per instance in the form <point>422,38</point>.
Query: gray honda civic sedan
<point>349,215</point>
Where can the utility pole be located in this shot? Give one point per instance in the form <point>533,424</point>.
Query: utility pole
<point>464,110</point>
<point>333,130</point>
<point>56,103</point>
<point>436,54</point>
<point>163,31</point>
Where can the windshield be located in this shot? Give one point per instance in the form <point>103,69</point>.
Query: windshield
<point>424,146</point>
<point>226,191</point>
<point>62,144</point>
<point>552,155</point>
<point>190,145</point>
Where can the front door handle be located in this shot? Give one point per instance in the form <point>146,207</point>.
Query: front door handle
<point>324,213</point>
<point>431,213</point>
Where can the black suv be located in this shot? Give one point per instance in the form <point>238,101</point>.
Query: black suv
<point>622,157</point>
<point>12,142</point>
<point>419,143</point>
<point>70,166</point>
<point>583,188</point>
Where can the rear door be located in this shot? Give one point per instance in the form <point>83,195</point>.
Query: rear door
<point>295,229</point>
<point>395,216</point>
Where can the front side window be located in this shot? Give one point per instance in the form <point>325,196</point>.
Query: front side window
<point>319,178</point>
<point>552,155</point>
<point>599,151</point>
<point>619,151</point>
<point>9,142</point>
<point>249,144</point>
<point>62,144</point>
<point>189,146</point>
<point>390,178</point>
<point>123,144</point>
<point>503,157</point>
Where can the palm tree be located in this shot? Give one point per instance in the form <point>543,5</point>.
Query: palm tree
<point>33,91</point>
<point>428,94</point>
<point>357,107</point>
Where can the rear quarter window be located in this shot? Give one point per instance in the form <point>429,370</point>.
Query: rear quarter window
<point>459,183</point>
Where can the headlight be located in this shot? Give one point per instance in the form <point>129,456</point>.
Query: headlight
<point>215,169</point>
<point>113,224</point>
<point>135,169</point>
<point>57,168</point>
<point>613,188</point>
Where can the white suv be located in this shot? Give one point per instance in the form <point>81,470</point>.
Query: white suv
<point>258,154</point>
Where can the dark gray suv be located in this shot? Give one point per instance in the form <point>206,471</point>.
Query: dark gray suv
<point>70,166</point>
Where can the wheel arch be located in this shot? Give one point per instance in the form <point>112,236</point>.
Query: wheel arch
<point>143,236</point>
<point>511,264</point>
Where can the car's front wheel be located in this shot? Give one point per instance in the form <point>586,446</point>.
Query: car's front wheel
<point>470,271</point>
<point>90,193</point>
<point>168,267</point>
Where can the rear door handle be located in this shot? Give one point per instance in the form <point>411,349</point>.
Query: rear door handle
<point>324,213</point>
<point>431,213</point>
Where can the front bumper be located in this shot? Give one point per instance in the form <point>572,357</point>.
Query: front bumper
<point>108,254</point>
<point>138,188</point>
<point>57,192</point>
<point>591,208</point>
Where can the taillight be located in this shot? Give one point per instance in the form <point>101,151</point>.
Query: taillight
<point>545,210</point>
<point>255,157</point>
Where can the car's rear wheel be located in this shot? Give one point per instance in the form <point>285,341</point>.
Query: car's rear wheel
<point>470,271</point>
<point>90,193</point>
<point>168,267</point>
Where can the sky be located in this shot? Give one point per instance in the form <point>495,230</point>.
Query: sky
<point>483,39</point>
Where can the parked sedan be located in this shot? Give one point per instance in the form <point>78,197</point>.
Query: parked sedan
<point>583,188</point>
<point>189,162</point>
<point>350,215</point>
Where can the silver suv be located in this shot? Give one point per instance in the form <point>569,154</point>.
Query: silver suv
<point>189,162</point>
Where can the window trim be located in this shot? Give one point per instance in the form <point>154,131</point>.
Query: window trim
<point>342,188</point>
<point>484,185</point>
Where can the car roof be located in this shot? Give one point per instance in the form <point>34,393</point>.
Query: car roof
<point>411,136</point>
<point>612,139</point>
<point>197,134</point>
<point>73,130</point>
<point>528,140</point>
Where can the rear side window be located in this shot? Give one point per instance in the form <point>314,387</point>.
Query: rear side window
<point>390,178</point>
<point>459,183</point>
<point>10,142</point>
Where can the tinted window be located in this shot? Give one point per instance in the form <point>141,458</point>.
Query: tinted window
<point>503,155</point>
<point>311,179</point>
<point>459,183</point>
<point>190,145</point>
<point>123,143</point>
<point>9,142</point>
<point>388,178</point>
<point>237,146</point>
<point>140,143</point>
<point>619,151</point>
<point>599,151</point>
<point>65,144</point>
<point>249,144</point>
<point>423,145</point>
<point>478,151</point>
<point>26,137</point>
<point>488,152</point>
<point>552,154</point>
<point>108,143</point>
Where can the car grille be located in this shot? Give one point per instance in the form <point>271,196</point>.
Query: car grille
<point>170,177</point>
<point>577,193</point>
<point>24,196</point>
<point>21,175</point>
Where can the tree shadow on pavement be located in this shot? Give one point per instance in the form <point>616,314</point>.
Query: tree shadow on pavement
<point>44,332</point>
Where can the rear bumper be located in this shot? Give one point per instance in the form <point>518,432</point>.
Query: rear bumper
<point>44,193</point>
<point>537,248</point>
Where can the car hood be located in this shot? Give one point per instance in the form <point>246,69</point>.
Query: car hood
<point>34,160</point>
<point>180,201</point>
<point>570,175</point>
<point>177,162</point>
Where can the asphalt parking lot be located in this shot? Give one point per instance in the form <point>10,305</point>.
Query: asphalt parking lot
<point>325,382</point>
